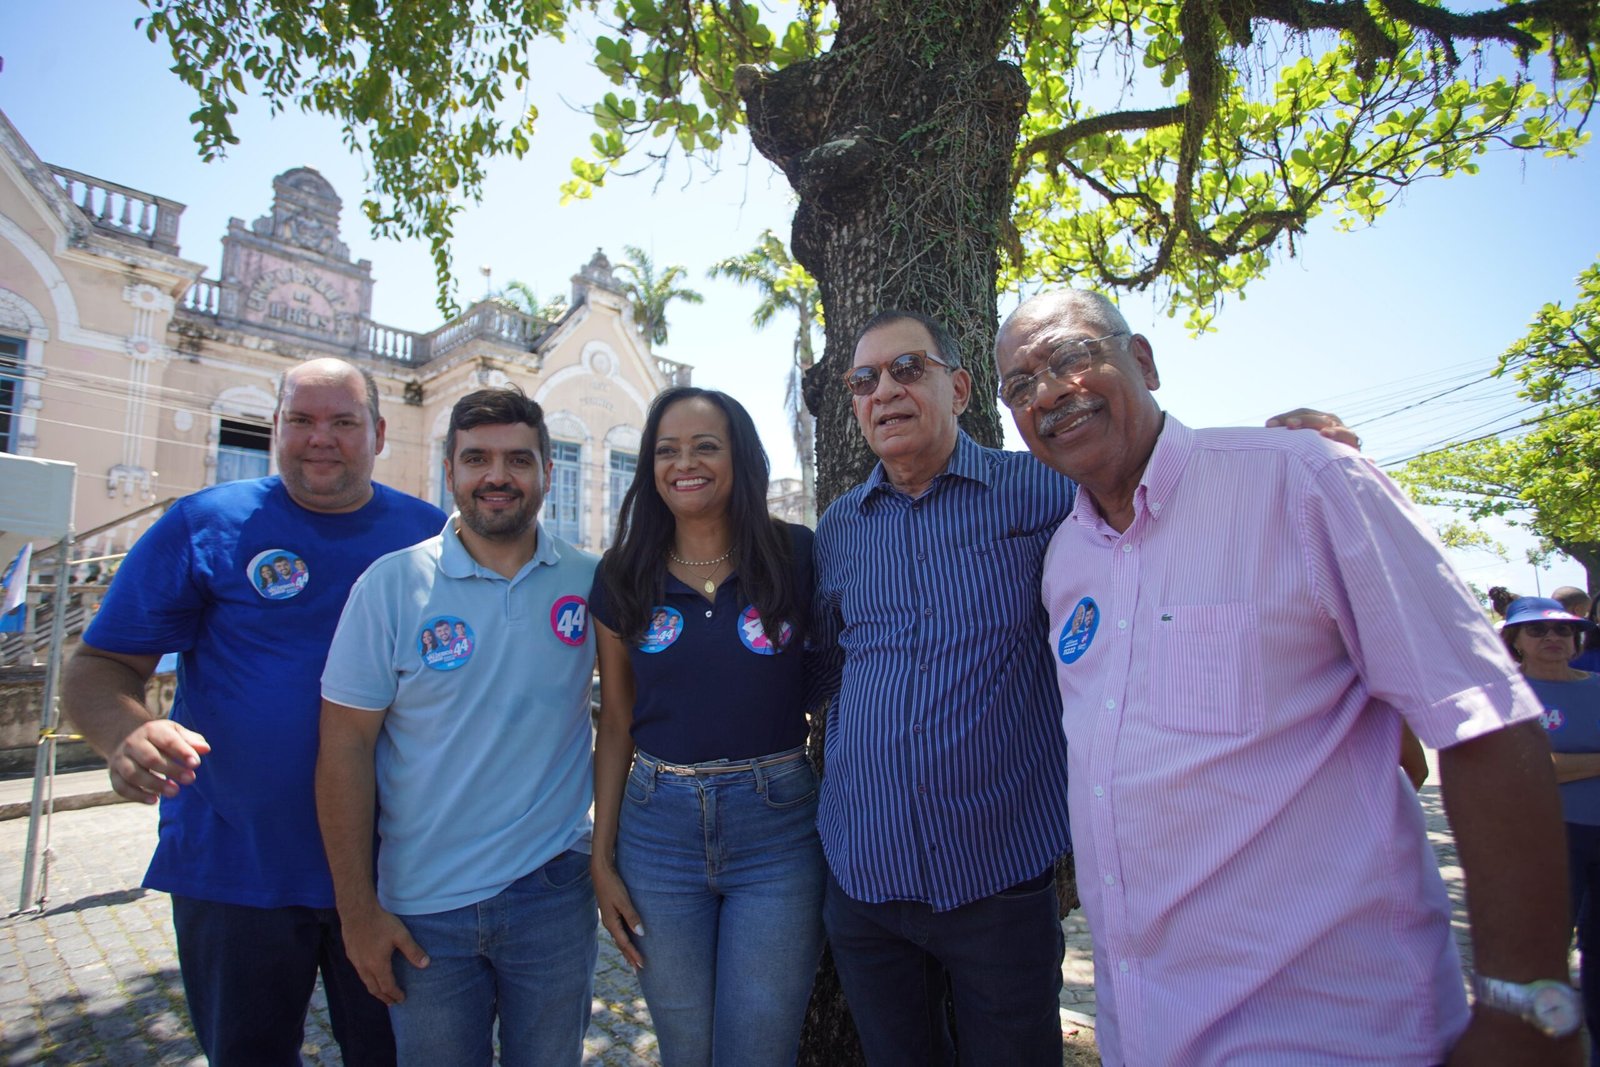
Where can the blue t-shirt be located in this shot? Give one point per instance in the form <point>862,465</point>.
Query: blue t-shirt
<point>247,586</point>
<point>709,682</point>
<point>1587,661</point>
<point>1572,719</point>
<point>485,763</point>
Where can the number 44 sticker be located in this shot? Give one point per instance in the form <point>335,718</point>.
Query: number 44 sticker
<point>569,618</point>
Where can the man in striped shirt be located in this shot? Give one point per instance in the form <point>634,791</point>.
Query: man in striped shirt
<point>1267,608</point>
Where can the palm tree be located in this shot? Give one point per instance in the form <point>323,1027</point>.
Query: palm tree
<point>785,285</point>
<point>520,296</point>
<point>651,293</point>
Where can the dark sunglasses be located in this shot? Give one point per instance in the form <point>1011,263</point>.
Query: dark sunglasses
<point>905,368</point>
<point>1539,629</point>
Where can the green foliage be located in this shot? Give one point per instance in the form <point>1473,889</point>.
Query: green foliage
<point>1182,146</point>
<point>1547,478</point>
<point>652,291</point>
<point>784,285</point>
<point>520,296</point>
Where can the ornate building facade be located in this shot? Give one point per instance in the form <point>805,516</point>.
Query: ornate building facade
<point>119,355</point>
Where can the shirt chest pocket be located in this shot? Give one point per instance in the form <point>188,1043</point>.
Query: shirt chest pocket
<point>1205,669</point>
<point>996,583</point>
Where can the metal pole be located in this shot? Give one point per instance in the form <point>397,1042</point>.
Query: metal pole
<point>44,764</point>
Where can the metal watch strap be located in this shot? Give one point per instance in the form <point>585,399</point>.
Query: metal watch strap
<point>1519,999</point>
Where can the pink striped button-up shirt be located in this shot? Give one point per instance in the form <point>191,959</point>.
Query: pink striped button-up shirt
<point>1233,672</point>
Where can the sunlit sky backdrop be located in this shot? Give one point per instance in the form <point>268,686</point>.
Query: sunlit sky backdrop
<point>1364,324</point>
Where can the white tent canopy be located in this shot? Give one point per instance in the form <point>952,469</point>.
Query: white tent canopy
<point>36,504</point>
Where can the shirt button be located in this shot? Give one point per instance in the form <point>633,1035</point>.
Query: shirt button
<point>923,668</point>
<point>1099,791</point>
<point>1122,624</point>
<point>1111,705</point>
<point>1127,548</point>
<point>916,727</point>
<point>927,613</point>
<point>1110,880</point>
<point>922,555</point>
<point>922,789</point>
<point>1155,507</point>
<point>708,614</point>
<point>1123,966</point>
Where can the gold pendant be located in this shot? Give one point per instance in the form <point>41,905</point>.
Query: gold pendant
<point>711,587</point>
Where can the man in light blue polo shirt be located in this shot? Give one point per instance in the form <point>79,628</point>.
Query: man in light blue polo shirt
<point>457,692</point>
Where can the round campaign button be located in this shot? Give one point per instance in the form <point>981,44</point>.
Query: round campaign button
<point>278,573</point>
<point>754,636</point>
<point>569,619</point>
<point>446,643</point>
<point>1078,632</point>
<point>666,626</point>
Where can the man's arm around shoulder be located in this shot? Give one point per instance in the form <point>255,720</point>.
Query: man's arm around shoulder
<point>102,694</point>
<point>1504,809</point>
<point>346,791</point>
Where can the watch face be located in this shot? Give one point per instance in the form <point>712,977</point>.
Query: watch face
<point>1555,1011</point>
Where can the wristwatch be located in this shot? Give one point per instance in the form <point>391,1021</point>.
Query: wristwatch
<point>1553,1008</point>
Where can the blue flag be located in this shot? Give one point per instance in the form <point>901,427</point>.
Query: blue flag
<point>14,607</point>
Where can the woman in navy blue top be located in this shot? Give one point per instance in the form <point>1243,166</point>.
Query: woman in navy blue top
<point>1542,636</point>
<point>706,863</point>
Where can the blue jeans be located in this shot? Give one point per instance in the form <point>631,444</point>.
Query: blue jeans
<point>1000,957</point>
<point>726,872</point>
<point>248,975</point>
<point>526,954</point>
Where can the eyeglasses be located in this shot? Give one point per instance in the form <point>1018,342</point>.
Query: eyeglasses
<point>1540,629</point>
<point>905,368</point>
<point>1070,359</point>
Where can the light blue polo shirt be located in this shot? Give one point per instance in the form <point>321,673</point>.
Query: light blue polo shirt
<point>485,761</point>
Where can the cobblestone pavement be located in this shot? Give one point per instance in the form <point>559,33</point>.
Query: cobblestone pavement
<point>93,979</point>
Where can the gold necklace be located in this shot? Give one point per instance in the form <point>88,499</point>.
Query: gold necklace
<point>708,582</point>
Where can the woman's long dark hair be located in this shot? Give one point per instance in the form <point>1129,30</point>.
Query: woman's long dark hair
<point>635,567</point>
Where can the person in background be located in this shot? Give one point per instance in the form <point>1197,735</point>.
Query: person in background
<point>706,861</point>
<point>1589,658</point>
<point>1541,635</point>
<point>1573,599</point>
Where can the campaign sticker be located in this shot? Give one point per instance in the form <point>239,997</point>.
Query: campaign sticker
<point>666,626</point>
<point>1553,719</point>
<point>1078,633</point>
<point>278,573</point>
<point>754,635</point>
<point>569,618</point>
<point>446,643</point>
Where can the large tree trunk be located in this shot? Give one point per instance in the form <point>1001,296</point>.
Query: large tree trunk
<point>1588,554</point>
<point>899,143</point>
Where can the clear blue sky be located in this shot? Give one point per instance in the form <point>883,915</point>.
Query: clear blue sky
<point>1361,323</point>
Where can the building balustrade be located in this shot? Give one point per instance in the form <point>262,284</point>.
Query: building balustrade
<point>675,373</point>
<point>204,297</point>
<point>116,209</point>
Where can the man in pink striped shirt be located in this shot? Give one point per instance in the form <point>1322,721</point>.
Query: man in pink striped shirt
<point>1240,621</point>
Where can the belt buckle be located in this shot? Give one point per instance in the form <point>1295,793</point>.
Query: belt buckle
<point>674,768</point>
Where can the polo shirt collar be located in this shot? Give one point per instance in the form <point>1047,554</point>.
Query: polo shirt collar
<point>965,462</point>
<point>456,562</point>
<point>1156,486</point>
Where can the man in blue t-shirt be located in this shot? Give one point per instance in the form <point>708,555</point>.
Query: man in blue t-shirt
<point>457,693</point>
<point>239,849</point>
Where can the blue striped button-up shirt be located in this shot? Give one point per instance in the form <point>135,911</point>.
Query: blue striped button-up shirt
<point>946,769</point>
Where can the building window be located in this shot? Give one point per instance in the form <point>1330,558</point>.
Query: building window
<point>619,475</point>
<point>562,509</point>
<point>243,450</point>
<point>13,357</point>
